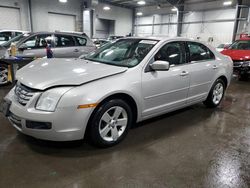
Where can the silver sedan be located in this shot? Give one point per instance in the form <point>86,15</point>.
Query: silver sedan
<point>106,92</point>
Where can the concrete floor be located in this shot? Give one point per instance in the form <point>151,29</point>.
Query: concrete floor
<point>194,147</point>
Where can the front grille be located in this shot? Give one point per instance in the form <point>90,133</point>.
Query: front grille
<point>15,120</point>
<point>23,94</point>
<point>238,63</point>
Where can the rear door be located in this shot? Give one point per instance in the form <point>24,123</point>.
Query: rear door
<point>84,45</point>
<point>202,69</point>
<point>65,46</point>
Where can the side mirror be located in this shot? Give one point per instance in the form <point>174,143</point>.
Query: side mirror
<point>23,47</point>
<point>160,66</point>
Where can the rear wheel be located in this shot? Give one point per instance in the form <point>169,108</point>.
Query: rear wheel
<point>3,74</point>
<point>216,94</point>
<point>110,123</point>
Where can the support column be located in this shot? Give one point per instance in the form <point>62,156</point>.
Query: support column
<point>237,17</point>
<point>180,14</point>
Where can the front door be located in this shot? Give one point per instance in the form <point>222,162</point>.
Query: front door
<point>166,90</point>
<point>36,46</point>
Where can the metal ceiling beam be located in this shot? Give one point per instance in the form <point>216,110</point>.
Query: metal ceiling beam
<point>173,2</point>
<point>115,4</point>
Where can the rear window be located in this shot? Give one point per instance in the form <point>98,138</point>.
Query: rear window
<point>80,41</point>
<point>64,41</point>
<point>240,45</point>
<point>199,52</point>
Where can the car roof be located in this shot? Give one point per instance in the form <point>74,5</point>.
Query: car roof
<point>247,38</point>
<point>10,30</point>
<point>162,38</point>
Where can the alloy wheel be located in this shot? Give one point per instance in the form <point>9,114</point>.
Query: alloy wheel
<point>3,75</point>
<point>218,93</point>
<point>113,123</point>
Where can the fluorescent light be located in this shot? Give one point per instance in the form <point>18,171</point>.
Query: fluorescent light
<point>139,13</point>
<point>63,1</point>
<point>141,2</point>
<point>174,9</point>
<point>226,3</point>
<point>106,8</point>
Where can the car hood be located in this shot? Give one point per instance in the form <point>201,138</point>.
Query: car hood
<point>237,54</point>
<point>45,73</point>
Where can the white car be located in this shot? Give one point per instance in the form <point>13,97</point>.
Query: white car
<point>6,35</point>
<point>122,83</point>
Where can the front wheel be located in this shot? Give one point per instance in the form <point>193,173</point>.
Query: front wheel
<point>216,94</point>
<point>3,74</point>
<point>110,123</point>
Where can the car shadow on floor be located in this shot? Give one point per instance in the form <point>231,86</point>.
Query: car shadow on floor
<point>139,135</point>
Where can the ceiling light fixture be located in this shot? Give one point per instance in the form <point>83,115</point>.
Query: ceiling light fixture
<point>227,3</point>
<point>106,8</point>
<point>139,13</point>
<point>141,2</point>
<point>63,1</point>
<point>174,9</point>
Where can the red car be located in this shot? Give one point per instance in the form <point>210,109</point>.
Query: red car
<point>239,51</point>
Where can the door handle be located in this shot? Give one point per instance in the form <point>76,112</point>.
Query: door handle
<point>76,50</point>
<point>184,73</point>
<point>215,67</point>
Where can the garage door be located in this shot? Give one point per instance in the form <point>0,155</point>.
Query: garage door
<point>10,18</point>
<point>62,22</point>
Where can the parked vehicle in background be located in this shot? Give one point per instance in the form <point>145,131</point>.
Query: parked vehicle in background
<point>33,45</point>
<point>114,37</point>
<point>239,51</point>
<point>124,82</point>
<point>6,35</point>
<point>100,42</point>
<point>5,46</point>
<point>63,45</point>
<point>221,47</point>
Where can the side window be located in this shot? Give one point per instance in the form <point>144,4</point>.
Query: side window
<point>199,52</point>
<point>80,41</point>
<point>173,52</point>
<point>38,41</point>
<point>64,41</point>
<point>18,33</point>
<point>5,36</point>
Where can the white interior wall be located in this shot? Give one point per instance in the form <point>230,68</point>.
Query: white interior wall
<point>41,9</point>
<point>23,19</point>
<point>169,27</point>
<point>10,18</point>
<point>123,18</point>
<point>61,22</point>
<point>221,32</point>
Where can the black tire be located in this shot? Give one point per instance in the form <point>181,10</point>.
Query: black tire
<point>2,67</point>
<point>209,102</point>
<point>96,123</point>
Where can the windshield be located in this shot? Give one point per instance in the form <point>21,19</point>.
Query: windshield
<point>240,45</point>
<point>15,39</point>
<point>221,46</point>
<point>124,52</point>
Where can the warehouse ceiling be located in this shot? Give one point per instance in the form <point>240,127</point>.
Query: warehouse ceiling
<point>159,3</point>
<point>134,3</point>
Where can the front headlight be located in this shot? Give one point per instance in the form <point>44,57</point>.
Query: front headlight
<point>49,99</point>
<point>246,64</point>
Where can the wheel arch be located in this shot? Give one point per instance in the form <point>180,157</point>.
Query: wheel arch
<point>124,96</point>
<point>224,79</point>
